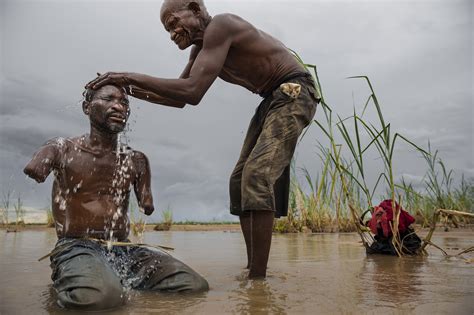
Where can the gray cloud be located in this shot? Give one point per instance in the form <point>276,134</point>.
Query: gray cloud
<point>418,56</point>
<point>23,141</point>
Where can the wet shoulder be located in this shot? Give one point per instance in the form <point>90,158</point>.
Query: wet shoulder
<point>58,144</point>
<point>74,143</point>
<point>229,22</point>
<point>76,140</point>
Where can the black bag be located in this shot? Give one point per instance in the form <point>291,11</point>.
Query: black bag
<point>383,245</point>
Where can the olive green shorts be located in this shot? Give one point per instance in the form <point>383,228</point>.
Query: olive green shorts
<point>261,177</point>
<point>89,277</point>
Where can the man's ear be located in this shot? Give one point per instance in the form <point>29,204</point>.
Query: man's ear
<point>194,6</point>
<point>86,107</point>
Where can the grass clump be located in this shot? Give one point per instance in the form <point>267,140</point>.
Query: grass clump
<point>49,217</point>
<point>137,222</point>
<point>167,220</point>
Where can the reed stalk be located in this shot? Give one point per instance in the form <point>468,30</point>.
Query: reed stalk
<point>6,198</point>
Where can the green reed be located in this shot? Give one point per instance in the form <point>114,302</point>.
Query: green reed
<point>341,192</point>
<point>49,217</point>
<point>347,192</point>
<point>19,211</point>
<point>137,222</point>
<point>6,198</point>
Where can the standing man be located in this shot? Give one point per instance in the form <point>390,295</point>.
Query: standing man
<point>229,47</point>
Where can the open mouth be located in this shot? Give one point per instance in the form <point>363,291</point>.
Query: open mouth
<point>116,117</point>
<point>178,39</point>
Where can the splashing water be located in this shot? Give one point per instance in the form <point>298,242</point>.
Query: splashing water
<point>118,190</point>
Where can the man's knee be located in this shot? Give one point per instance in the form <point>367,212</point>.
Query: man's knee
<point>85,281</point>
<point>92,299</point>
<point>186,282</point>
<point>200,284</point>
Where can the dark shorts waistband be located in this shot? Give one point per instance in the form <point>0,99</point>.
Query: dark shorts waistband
<point>286,79</point>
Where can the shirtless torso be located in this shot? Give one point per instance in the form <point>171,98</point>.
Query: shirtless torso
<point>227,47</point>
<point>91,188</point>
<point>231,48</point>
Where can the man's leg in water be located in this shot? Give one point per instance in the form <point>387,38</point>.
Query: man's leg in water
<point>82,277</point>
<point>153,269</point>
<point>235,183</point>
<point>266,163</point>
<point>267,151</point>
<point>260,236</point>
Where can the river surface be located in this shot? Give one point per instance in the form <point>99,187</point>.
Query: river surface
<point>308,274</point>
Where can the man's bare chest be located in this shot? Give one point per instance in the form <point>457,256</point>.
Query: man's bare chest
<point>83,172</point>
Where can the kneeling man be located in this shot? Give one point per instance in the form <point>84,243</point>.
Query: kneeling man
<point>90,197</point>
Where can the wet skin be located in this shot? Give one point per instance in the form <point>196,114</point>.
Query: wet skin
<point>228,47</point>
<point>225,46</point>
<point>92,184</point>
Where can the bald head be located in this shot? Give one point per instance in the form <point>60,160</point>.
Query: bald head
<point>170,6</point>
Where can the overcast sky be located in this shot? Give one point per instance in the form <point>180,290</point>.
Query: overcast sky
<point>418,55</point>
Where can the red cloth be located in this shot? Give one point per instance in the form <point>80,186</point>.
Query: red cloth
<point>383,214</point>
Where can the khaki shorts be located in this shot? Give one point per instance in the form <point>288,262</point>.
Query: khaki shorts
<point>261,177</point>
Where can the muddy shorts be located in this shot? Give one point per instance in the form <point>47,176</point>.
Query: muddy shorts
<point>261,177</point>
<point>88,276</point>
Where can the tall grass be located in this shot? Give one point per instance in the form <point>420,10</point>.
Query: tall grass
<point>6,198</point>
<point>49,217</point>
<point>341,191</point>
<point>440,192</point>
<point>19,211</point>
<point>137,222</point>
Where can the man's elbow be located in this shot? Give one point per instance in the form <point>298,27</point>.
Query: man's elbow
<point>31,173</point>
<point>195,96</point>
<point>194,102</point>
<point>195,99</point>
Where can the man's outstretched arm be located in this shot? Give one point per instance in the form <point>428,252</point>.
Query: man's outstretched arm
<point>204,70</point>
<point>149,96</point>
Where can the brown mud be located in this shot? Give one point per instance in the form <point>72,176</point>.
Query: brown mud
<point>325,273</point>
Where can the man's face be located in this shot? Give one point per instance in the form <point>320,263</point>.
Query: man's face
<point>182,26</point>
<point>109,109</point>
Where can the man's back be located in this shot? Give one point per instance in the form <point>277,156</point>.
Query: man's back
<point>255,60</point>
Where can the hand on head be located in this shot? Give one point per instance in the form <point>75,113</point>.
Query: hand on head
<point>109,78</point>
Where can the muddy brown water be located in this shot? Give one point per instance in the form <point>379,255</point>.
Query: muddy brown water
<point>308,274</point>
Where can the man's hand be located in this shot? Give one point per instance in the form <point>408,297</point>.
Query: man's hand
<point>120,79</point>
